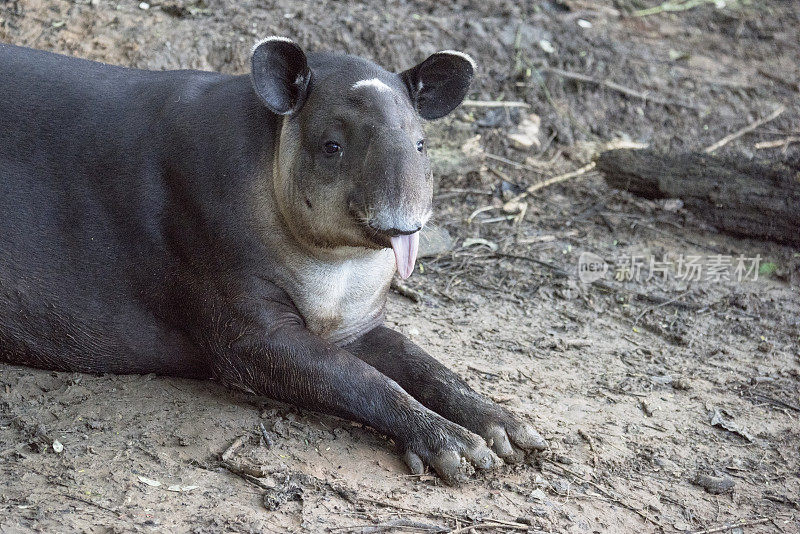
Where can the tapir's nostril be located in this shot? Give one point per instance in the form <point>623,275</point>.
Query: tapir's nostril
<point>393,232</point>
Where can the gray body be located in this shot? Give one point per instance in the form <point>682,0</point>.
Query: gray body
<point>237,227</point>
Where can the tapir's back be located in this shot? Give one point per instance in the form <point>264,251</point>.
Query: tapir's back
<point>81,197</point>
<point>49,98</point>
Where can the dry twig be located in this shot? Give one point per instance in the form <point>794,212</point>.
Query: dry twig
<point>585,435</point>
<point>550,181</point>
<point>391,526</point>
<point>92,503</point>
<point>515,164</point>
<point>731,526</point>
<point>494,104</point>
<point>558,271</point>
<point>749,128</point>
<point>672,6</point>
<point>776,143</point>
<point>268,441</point>
<point>606,494</point>
<point>490,524</point>
<point>614,86</point>
<point>238,442</point>
<point>240,472</point>
<point>659,305</point>
<point>514,206</point>
<point>406,291</point>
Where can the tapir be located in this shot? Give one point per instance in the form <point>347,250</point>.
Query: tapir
<point>244,228</point>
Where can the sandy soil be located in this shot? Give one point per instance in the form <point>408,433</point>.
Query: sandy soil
<point>624,381</point>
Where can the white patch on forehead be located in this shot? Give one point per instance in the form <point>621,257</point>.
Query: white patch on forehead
<point>268,39</point>
<point>462,55</point>
<point>375,83</point>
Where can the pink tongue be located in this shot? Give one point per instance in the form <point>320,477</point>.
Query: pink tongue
<point>405,253</point>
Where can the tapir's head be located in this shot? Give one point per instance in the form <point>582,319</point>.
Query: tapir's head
<point>351,167</point>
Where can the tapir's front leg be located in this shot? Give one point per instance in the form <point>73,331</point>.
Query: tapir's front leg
<point>441,390</point>
<point>276,356</point>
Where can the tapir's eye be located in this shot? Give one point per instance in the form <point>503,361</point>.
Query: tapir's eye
<point>331,147</point>
<point>420,145</point>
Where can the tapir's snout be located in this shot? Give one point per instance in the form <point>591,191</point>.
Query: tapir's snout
<point>396,186</point>
<point>394,195</point>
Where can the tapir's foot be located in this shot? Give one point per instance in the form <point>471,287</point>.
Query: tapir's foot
<point>450,449</point>
<point>507,434</point>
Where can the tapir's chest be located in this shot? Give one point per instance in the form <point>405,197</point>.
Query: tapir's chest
<point>341,300</point>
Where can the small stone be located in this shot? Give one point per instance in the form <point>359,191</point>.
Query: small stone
<point>563,459</point>
<point>560,487</point>
<point>58,447</point>
<point>681,384</point>
<point>281,428</point>
<point>583,23</point>
<point>144,6</point>
<point>761,380</point>
<point>537,495</point>
<point>666,464</point>
<point>661,380</point>
<point>672,204</point>
<point>526,135</point>
<point>715,485</point>
<point>434,240</point>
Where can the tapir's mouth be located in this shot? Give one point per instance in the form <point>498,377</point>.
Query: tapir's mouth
<point>405,246</point>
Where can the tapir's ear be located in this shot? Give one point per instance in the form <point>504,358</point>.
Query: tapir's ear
<point>439,84</point>
<point>280,74</point>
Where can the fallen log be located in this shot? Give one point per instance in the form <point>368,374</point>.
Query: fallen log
<point>743,198</point>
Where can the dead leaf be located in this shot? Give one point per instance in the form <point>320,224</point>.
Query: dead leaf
<point>471,241</point>
<point>717,419</point>
<point>149,481</point>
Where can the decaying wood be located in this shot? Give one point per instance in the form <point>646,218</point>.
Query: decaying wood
<point>742,198</point>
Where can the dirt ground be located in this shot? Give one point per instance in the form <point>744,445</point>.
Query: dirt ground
<point>669,405</point>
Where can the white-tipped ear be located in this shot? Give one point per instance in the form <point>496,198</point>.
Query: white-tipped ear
<point>268,39</point>
<point>280,74</point>
<point>463,56</point>
<point>439,84</point>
